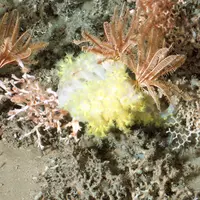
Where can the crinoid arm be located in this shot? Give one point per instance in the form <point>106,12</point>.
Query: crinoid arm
<point>119,39</point>
<point>15,48</point>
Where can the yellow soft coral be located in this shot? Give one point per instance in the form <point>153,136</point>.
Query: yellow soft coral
<point>100,94</point>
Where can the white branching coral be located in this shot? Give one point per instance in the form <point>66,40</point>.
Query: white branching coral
<point>37,105</point>
<point>185,125</point>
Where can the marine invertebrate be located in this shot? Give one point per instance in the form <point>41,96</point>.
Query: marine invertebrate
<point>15,48</point>
<point>139,172</point>
<point>100,95</point>
<point>147,57</point>
<point>121,34</point>
<point>37,105</point>
<point>148,72</point>
<point>96,88</point>
<point>186,36</point>
<point>118,39</point>
<point>184,126</point>
<point>150,60</point>
<point>157,14</point>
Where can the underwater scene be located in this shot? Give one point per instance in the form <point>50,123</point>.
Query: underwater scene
<point>99,100</point>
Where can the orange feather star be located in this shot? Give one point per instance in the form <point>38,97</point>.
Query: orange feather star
<point>118,39</point>
<point>15,48</point>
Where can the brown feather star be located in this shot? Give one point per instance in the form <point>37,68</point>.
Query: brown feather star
<point>15,48</point>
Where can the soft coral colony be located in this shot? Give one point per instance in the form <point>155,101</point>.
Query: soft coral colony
<point>96,88</point>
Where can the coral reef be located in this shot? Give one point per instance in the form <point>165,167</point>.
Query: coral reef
<point>122,167</point>
<point>149,162</point>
